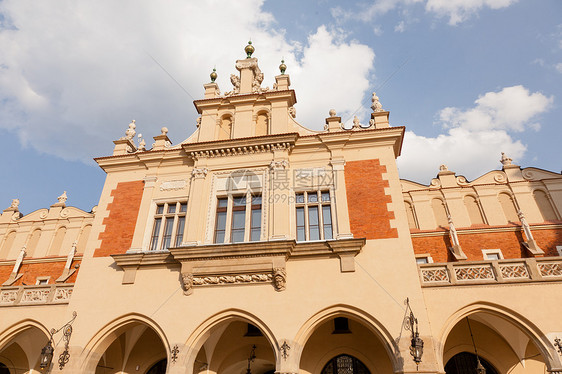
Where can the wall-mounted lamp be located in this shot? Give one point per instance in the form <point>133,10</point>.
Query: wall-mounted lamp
<point>48,350</point>
<point>251,359</point>
<point>480,369</point>
<point>416,343</point>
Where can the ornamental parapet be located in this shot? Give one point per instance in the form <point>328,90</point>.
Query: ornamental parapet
<point>525,270</point>
<point>50,294</point>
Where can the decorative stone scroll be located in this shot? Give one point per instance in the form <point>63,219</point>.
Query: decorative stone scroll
<point>435,275</point>
<point>35,296</point>
<point>514,271</point>
<point>280,164</point>
<point>475,272</point>
<point>550,269</point>
<point>8,296</point>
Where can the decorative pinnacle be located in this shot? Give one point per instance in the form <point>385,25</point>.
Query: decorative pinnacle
<point>282,67</point>
<point>213,75</point>
<point>249,49</point>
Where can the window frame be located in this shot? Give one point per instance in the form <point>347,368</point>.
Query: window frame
<point>319,204</point>
<point>175,234</point>
<point>247,208</point>
<point>424,256</point>
<point>42,281</point>
<point>486,252</point>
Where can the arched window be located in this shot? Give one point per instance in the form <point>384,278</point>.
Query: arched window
<point>344,364</point>
<point>410,213</point>
<point>262,124</point>
<point>439,212</point>
<point>508,207</point>
<point>548,213</point>
<point>83,239</point>
<point>4,369</point>
<point>57,242</point>
<point>32,243</point>
<point>473,210</point>
<point>7,245</point>
<point>225,128</point>
<point>465,362</point>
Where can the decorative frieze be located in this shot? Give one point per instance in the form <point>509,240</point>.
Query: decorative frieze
<point>232,279</point>
<point>35,296</point>
<point>514,271</point>
<point>235,151</point>
<point>551,269</point>
<point>474,272</point>
<point>435,275</point>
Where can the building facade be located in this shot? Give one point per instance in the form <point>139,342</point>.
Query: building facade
<point>257,245</point>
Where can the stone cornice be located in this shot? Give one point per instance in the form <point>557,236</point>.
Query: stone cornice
<point>202,104</point>
<point>240,146</point>
<point>240,259</point>
<point>41,260</point>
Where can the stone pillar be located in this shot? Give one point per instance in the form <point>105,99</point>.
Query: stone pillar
<point>142,231</point>
<point>340,194</point>
<point>193,233</point>
<point>279,196</point>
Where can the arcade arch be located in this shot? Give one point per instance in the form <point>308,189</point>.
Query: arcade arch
<point>224,343</point>
<point>345,331</point>
<point>20,347</point>
<point>131,344</point>
<point>504,339</point>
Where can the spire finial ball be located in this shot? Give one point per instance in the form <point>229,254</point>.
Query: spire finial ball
<point>213,75</point>
<point>249,49</point>
<point>282,67</point>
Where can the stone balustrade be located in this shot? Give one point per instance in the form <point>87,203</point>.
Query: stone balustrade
<point>491,272</point>
<point>36,295</point>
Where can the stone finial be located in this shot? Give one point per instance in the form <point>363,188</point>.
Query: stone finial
<point>443,167</point>
<point>332,113</point>
<point>142,144</point>
<point>214,75</point>
<point>198,121</point>
<point>62,198</point>
<point>356,123</point>
<point>164,130</point>
<point>249,49</point>
<point>130,133</point>
<point>505,160</point>
<point>15,204</point>
<point>376,105</point>
<point>282,67</point>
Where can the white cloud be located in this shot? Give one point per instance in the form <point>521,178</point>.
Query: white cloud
<point>558,67</point>
<point>474,138</point>
<point>73,74</point>
<point>377,30</point>
<point>400,27</point>
<point>456,10</point>
<point>460,10</point>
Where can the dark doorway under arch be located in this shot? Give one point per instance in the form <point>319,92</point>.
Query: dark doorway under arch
<point>345,364</point>
<point>158,368</point>
<point>465,363</point>
<point>4,369</point>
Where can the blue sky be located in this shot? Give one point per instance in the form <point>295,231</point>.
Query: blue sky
<point>468,78</point>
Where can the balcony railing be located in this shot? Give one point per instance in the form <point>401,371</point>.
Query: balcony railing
<point>36,295</point>
<point>491,272</point>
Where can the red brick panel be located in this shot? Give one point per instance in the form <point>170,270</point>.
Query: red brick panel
<point>548,240</point>
<point>120,224</point>
<point>31,271</point>
<point>472,244</point>
<point>366,201</point>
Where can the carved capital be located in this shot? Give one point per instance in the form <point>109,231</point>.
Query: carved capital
<point>280,164</point>
<point>199,173</point>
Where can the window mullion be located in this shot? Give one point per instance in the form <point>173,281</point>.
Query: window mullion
<point>248,216</point>
<point>162,224</point>
<point>306,233</point>
<point>228,228</point>
<point>320,215</point>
